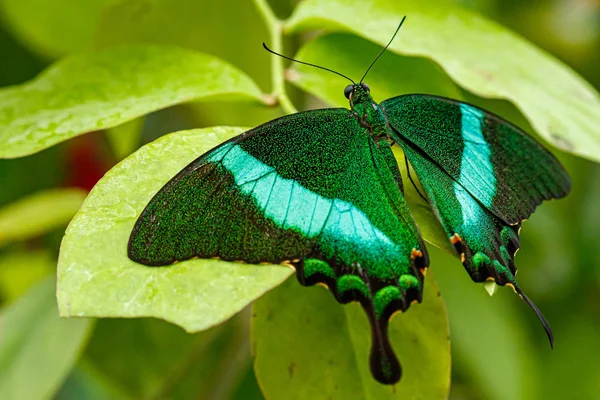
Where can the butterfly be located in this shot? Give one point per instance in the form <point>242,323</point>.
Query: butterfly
<point>321,191</point>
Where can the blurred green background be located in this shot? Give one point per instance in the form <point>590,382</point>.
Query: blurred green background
<point>498,349</point>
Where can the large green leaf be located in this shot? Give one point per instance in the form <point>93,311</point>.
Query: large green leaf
<point>95,276</point>
<point>54,28</point>
<point>38,213</point>
<point>100,90</point>
<point>177,22</point>
<point>37,348</point>
<point>307,346</point>
<point>479,55</point>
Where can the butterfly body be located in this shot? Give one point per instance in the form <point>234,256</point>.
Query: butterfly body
<point>321,191</point>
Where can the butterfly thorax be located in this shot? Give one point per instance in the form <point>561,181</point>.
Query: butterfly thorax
<point>368,112</point>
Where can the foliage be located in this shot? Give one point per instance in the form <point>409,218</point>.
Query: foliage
<point>127,72</point>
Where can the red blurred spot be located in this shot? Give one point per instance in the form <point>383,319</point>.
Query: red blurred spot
<point>87,160</point>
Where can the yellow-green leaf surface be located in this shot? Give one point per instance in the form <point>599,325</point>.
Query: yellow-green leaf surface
<point>38,213</point>
<point>480,55</point>
<point>54,28</point>
<point>37,348</point>
<point>307,346</point>
<point>94,91</point>
<point>95,276</point>
<point>351,55</point>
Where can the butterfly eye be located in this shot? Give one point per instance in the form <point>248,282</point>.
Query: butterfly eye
<point>366,87</point>
<point>348,91</point>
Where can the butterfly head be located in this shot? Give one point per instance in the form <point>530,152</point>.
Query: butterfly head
<point>357,93</point>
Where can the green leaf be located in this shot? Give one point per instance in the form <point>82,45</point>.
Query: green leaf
<point>94,91</point>
<point>198,24</point>
<point>54,28</point>
<point>307,346</point>
<point>95,276</point>
<point>38,213</point>
<point>19,270</point>
<point>37,348</point>
<point>479,55</point>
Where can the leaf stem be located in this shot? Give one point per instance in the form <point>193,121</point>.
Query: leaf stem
<point>274,26</point>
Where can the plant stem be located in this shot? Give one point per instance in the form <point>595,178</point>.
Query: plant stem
<point>274,26</point>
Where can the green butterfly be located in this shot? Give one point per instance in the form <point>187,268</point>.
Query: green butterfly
<point>321,191</point>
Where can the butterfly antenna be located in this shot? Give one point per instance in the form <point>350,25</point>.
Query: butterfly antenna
<point>382,50</point>
<point>305,63</point>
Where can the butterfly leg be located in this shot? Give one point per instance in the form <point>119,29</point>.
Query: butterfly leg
<point>411,179</point>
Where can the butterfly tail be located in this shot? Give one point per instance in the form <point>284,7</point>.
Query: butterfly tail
<point>380,300</point>
<point>536,310</point>
<point>384,364</point>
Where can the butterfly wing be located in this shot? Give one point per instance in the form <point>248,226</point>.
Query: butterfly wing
<point>502,167</point>
<point>311,190</point>
<point>482,177</point>
<point>486,244</point>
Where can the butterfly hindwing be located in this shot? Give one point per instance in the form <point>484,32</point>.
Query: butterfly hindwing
<point>312,190</point>
<point>502,167</point>
<point>486,244</point>
<point>482,177</point>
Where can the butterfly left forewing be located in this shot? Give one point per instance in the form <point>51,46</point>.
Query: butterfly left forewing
<point>207,211</point>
